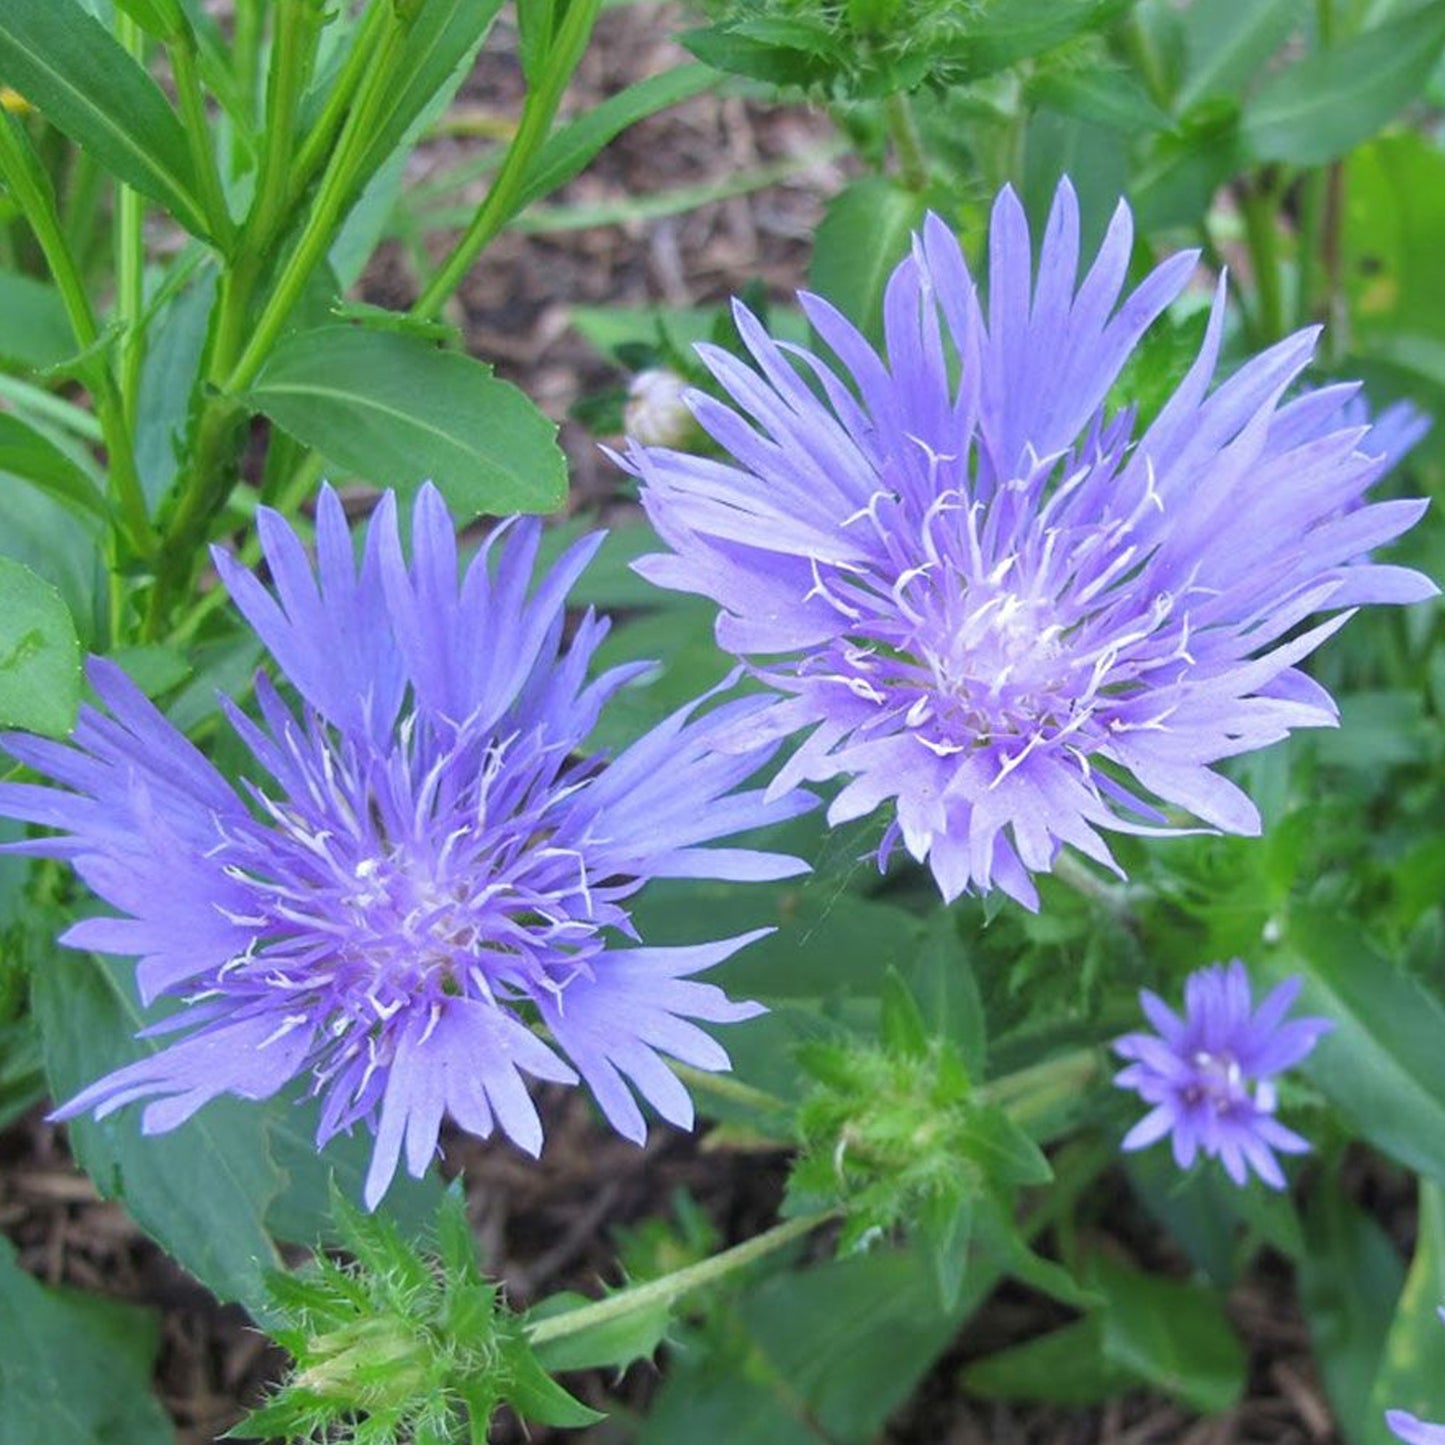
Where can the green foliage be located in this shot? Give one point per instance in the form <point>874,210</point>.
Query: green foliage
<point>863,236</point>
<point>39,653</point>
<point>68,65</point>
<point>893,1133</point>
<point>1332,100</point>
<point>397,1345</point>
<point>74,1367</point>
<point>1412,1362</point>
<point>203,1190</point>
<point>869,48</point>
<point>398,411</point>
<point>1170,1336</point>
<point>836,1347</point>
<point>1350,1280</point>
<point>1382,1065</point>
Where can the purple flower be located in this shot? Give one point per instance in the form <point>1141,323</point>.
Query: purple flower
<point>1411,1429</point>
<point>997,603</point>
<point>1209,1075</point>
<point>1414,1431</point>
<point>426,860</point>
<point>1394,433</point>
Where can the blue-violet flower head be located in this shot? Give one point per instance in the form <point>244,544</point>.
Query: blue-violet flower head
<point>992,599</point>
<point>1209,1076</point>
<point>425,861</point>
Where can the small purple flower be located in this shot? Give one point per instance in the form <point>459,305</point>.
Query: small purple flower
<point>1209,1075</point>
<point>1410,1428</point>
<point>426,861</point>
<point>1414,1431</point>
<point>995,603</point>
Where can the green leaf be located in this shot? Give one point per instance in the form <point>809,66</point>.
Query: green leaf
<point>438,51</point>
<point>1002,1150</point>
<point>943,981</point>
<point>36,333</point>
<point>202,1190</point>
<point>302,1211</point>
<point>1228,41</point>
<point>1171,1335</point>
<point>1382,1064</point>
<point>1013,30</point>
<point>73,1367</point>
<point>1110,97</point>
<point>863,236</point>
<point>175,341</point>
<point>734,47</point>
<point>614,1344</point>
<point>902,1028</point>
<point>945,1229</point>
<point>27,453</point>
<point>85,83</point>
<point>399,412</point>
<point>535,1395</point>
<point>568,150</point>
<point>1350,1277</point>
<point>58,545</point>
<point>39,654</point>
<point>1392,239</point>
<point>1333,99</point>
<point>1412,1365</point>
<point>823,1353</point>
<point>1065,1367</point>
<point>22,1078</point>
<point>165,19</point>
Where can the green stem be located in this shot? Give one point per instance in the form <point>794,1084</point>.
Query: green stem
<point>730,1087</point>
<point>336,192</point>
<point>292,49</point>
<point>671,1287</point>
<point>1113,898</point>
<point>321,139</point>
<point>197,124</point>
<point>1261,229</point>
<point>27,398</point>
<point>1310,247</point>
<point>30,189</point>
<point>505,197</point>
<point>1029,1096</point>
<point>83,206</point>
<point>1146,60</point>
<point>1336,305</point>
<point>130,258</point>
<point>245,53</point>
<point>239,349</point>
<point>907,144</point>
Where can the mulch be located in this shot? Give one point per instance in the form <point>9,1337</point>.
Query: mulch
<point>553,1224</point>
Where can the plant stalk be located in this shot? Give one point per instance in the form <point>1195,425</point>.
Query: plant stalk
<point>30,189</point>
<point>506,195</point>
<point>673,1286</point>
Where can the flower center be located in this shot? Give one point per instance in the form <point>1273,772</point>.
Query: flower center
<point>1218,1081</point>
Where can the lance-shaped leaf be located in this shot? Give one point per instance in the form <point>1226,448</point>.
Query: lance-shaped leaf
<point>398,411</point>
<point>85,83</point>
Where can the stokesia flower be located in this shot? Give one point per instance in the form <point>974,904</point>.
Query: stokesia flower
<point>993,600</point>
<point>425,861</point>
<point>1210,1075</point>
